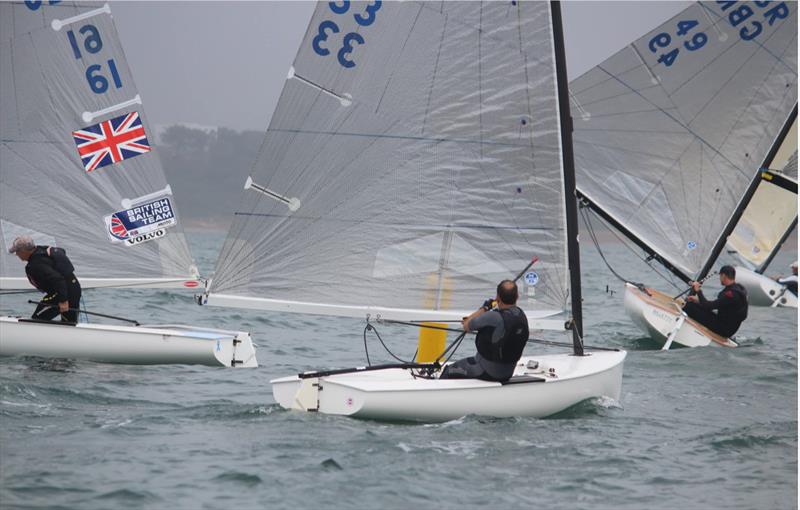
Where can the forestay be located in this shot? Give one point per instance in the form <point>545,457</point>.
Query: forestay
<point>671,131</point>
<point>413,162</point>
<point>78,165</point>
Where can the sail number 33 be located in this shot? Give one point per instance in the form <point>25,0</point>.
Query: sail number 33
<point>321,43</point>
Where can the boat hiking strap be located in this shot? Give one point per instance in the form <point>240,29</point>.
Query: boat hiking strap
<point>590,228</point>
<point>50,305</point>
<point>565,344</point>
<point>43,321</point>
<point>325,373</point>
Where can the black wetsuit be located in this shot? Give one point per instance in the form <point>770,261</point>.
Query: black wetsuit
<point>731,306</point>
<point>50,270</point>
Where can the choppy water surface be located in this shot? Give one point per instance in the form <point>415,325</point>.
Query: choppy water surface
<point>695,428</point>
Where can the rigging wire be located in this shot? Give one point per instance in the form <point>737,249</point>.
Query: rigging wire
<point>454,345</point>
<point>624,242</point>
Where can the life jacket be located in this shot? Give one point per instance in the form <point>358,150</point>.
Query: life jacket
<point>509,348</point>
<point>56,258</point>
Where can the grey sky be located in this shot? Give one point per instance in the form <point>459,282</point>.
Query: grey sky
<point>224,63</point>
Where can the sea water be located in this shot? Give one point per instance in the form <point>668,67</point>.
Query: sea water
<point>701,428</point>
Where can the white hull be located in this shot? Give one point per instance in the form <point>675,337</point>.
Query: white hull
<point>661,318</point>
<point>560,381</point>
<point>141,345</point>
<point>764,291</point>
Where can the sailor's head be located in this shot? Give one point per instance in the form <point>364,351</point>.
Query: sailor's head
<point>727,275</point>
<point>507,293</point>
<point>794,268</point>
<point>22,246</point>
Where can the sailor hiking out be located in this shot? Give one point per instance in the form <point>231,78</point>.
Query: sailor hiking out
<point>502,335</point>
<point>731,305</point>
<point>50,270</point>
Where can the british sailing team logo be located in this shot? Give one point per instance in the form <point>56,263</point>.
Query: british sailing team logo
<point>111,141</point>
<point>142,223</point>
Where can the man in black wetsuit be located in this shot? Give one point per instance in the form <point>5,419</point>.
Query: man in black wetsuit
<point>789,281</point>
<point>50,271</point>
<point>731,305</point>
<point>502,335</point>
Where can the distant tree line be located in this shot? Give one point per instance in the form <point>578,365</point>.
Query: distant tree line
<point>207,169</point>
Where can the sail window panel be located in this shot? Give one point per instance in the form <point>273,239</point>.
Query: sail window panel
<point>768,216</point>
<point>785,160</point>
<point>790,170</point>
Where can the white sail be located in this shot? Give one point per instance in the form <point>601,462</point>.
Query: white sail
<point>671,131</point>
<point>413,162</point>
<point>77,164</point>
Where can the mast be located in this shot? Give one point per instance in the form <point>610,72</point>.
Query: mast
<point>573,250</point>
<point>737,214</point>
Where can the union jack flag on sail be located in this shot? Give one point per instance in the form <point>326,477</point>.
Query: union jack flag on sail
<point>111,141</point>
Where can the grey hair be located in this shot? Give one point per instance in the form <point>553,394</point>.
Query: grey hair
<point>22,243</point>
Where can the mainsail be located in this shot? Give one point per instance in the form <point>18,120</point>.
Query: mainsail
<point>671,131</point>
<point>414,160</point>
<point>78,166</point>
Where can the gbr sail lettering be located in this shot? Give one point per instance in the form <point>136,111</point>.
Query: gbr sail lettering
<point>323,43</point>
<point>750,20</point>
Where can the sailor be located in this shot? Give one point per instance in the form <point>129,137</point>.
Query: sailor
<point>502,335</point>
<point>731,305</point>
<point>50,270</point>
<point>789,281</point>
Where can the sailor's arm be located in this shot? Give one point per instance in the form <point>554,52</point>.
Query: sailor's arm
<point>51,281</point>
<point>487,305</point>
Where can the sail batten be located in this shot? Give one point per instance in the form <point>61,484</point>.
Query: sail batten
<point>427,162</point>
<point>671,131</point>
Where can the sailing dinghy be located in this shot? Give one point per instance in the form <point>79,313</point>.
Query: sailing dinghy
<point>77,171</point>
<point>764,227</point>
<point>419,154</point>
<point>671,134</point>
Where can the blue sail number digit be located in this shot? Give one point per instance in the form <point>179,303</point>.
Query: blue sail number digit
<point>322,36</point>
<point>93,43</point>
<point>698,41</point>
<point>347,48</point>
<point>97,82</point>
<point>339,9</point>
<point>371,10</point>
<point>35,4</point>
